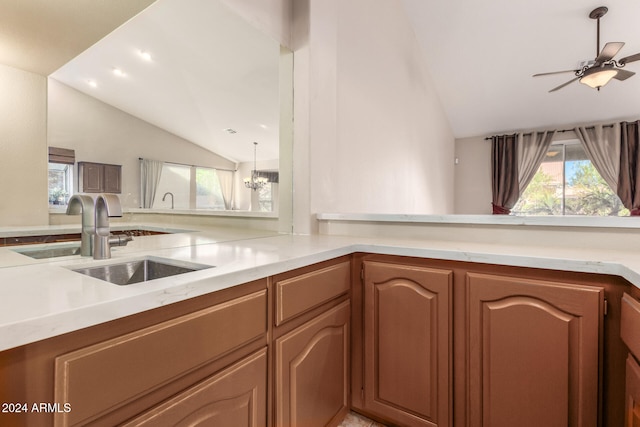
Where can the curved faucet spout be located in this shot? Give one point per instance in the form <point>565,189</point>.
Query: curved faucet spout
<point>170,194</point>
<point>83,204</point>
<point>107,205</point>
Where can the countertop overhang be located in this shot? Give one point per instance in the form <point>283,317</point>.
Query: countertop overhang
<point>39,300</point>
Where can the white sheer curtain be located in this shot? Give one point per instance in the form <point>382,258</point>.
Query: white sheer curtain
<point>602,144</point>
<point>150,171</point>
<point>531,151</point>
<point>226,187</point>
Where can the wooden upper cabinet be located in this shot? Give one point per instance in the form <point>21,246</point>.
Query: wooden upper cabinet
<point>533,352</point>
<point>407,344</point>
<point>99,178</point>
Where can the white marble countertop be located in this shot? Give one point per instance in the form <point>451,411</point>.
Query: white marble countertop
<point>41,299</point>
<point>578,221</point>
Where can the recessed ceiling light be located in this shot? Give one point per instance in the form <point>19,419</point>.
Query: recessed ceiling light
<point>92,83</point>
<point>145,55</point>
<point>119,72</point>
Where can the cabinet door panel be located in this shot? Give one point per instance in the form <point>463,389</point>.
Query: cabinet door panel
<point>534,352</point>
<point>407,343</point>
<point>312,371</point>
<point>632,391</point>
<point>234,397</point>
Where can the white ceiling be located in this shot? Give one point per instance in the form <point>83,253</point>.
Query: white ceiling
<point>209,71</point>
<point>481,55</point>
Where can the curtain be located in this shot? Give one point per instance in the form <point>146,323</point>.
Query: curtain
<point>602,145</point>
<point>504,169</point>
<point>532,148</point>
<point>150,171</point>
<point>629,177</point>
<point>226,186</point>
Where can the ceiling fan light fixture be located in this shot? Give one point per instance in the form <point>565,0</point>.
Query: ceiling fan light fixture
<point>598,77</point>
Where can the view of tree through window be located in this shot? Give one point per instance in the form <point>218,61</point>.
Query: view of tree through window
<point>567,183</point>
<point>60,178</point>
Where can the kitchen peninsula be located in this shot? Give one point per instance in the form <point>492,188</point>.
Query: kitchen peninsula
<point>45,301</point>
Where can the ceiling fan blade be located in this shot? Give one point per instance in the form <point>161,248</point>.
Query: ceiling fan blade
<point>609,51</point>
<point>563,85</point>
<point>629,58</point>
<point>623,74</point>
<point>555,72</point>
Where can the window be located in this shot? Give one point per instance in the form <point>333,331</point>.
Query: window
<point>190,187</point>
<point>265,198</point>
<point>567,183</point>
<point>61,161</point>
<point>208,191</point>
<point>60,184</point>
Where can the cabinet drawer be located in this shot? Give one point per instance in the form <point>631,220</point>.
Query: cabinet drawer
<point>104,376</point>
<point>299,294</point>
<point>630,324</point>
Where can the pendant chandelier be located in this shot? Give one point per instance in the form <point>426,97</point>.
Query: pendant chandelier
<point>255,182</point>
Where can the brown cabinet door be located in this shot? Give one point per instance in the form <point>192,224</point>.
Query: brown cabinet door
<point>632,415</point>
<point>312,371</point>
<point>407,344</point>
<point>112,175</point>
<point>91,175</point>
<point>533,352</point>
<point>235,397</point>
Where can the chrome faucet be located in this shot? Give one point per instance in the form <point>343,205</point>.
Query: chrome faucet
<point>84,204</point>
<point>165,195</point>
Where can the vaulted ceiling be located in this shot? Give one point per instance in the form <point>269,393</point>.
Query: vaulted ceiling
<point>481,55</point>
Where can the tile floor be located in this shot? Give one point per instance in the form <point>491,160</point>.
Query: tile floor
<point>356,420</point>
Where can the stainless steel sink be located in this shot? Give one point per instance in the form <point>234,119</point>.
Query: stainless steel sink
<point>141,270</point>
<point>52,252</point>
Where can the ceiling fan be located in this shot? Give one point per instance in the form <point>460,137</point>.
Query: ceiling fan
<point>599,72</point>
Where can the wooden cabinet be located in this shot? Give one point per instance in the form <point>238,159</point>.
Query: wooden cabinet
<point>99,178</point>
<point>632,393</point>
<point>237,397</point>
<point>445,343</point>
<point>630,333</point>
<point>311,371</point>
<point>533,352</point>
<point>312,345</point>
<point>407,344</point>
<point>98,380</point>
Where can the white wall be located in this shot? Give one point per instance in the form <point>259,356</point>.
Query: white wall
<point>23,148</point>
<point>378,139</point>
<point>104,134</point>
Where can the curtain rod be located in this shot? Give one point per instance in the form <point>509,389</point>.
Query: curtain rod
<point>489,138</point>
<point>194,166</point>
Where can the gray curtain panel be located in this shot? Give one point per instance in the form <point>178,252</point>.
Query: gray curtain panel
<point>629,177</point>
<point>602,145</point>
<point>504,169</point>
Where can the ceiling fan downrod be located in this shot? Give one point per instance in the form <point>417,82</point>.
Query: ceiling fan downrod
<point>596,14</point>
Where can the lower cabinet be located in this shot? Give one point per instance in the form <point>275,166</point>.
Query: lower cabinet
<point>312,371</point>
<point>533,352</point>
<point>524,352</point>
<point>407,347</point>
<point>632,393</point>
<point>235,397</point>
<point>630,333</point>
